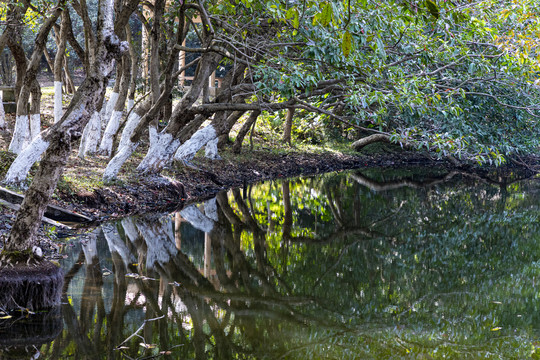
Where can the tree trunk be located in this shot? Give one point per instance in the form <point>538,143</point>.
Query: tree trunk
<point>59,137</point>
<point>134,69</point>
<point>153,128</point>
<point>126,146</point>
<point>22,236</point>
<point>105,148</point>
<point>50,62</point>
<point>209,137</point>
<point>187,151</point>
<point>107,110</point>
<point>159,6</point>
<point>359,144</point>
<point>35,107</point>
<point>58,65</point>
<point>21,132</point>
<point>244,130</point>
<point>14,42</point>
<point>226,127</point>
<point>92,133</point>
<point>89,34</point>
<point>2,113</point>
<point>81,53</point>
<point>161,152</point>
<point>30,84</point>
<point>70,85</point>
<point>140,122</point>
<point>287,130</point>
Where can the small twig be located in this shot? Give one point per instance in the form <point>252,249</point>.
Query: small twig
<point>138,330</point>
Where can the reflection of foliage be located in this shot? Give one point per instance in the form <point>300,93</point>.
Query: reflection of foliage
<point>429,269</point>
<point>327,268</point>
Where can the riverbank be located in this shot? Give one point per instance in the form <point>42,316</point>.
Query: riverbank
<point>82,190</point>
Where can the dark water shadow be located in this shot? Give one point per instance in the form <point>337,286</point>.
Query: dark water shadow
<point>21,336</point>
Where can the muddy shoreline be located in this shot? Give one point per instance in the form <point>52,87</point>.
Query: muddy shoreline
<point>204,178</point>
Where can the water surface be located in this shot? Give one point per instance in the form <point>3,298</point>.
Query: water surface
<point>361,265</point>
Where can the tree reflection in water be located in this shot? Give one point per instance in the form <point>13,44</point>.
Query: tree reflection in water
<point>337,266</point>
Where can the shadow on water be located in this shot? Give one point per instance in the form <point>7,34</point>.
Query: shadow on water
<point>357,265</point>
<point>21,336</point>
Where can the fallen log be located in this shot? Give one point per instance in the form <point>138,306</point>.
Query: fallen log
<point>52,212</point>
<point>44,219</point>
<point>359,144</point>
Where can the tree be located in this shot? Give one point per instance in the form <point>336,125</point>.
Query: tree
<point>55,145</point>
<point>58,62</point>
<point>435,75</point>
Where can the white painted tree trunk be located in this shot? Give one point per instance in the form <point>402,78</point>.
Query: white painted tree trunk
<point>21,134</point>
<point>114,166</point>
<point>2,113</point>
<point>211,150</point>
<point>91,135</point>
<point>159,154</point>
<point>35,125</point>
<point>197,219</point>
<point>84,139</point>
<point>21,166</point>
<point>57,101</point>
<point>106,145</point>
<point>153,135</point>
<point>130,104</point>
<point>109,108</point>
<point>187,151</point>
<point>125,148</point>
<point>129,128</point>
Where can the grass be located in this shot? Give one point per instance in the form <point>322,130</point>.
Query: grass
<point>268,136</point>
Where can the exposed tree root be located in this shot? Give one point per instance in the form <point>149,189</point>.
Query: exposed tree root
<point>29,284</point>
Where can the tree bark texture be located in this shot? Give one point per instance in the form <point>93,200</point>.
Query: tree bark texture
<point>287,130</point>
<point>58,65</point>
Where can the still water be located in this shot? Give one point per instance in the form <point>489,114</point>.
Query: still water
<point>360,265</point>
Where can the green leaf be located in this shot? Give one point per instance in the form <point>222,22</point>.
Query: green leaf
<point>380,48</point>
<point>433,9</point>
<point>325,16</point>
<point>346,43</point>
<point>293,15</point>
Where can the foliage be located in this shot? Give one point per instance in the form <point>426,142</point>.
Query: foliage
<point>453,77</point>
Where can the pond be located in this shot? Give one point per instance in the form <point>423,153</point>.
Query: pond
<point>360,265</point>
